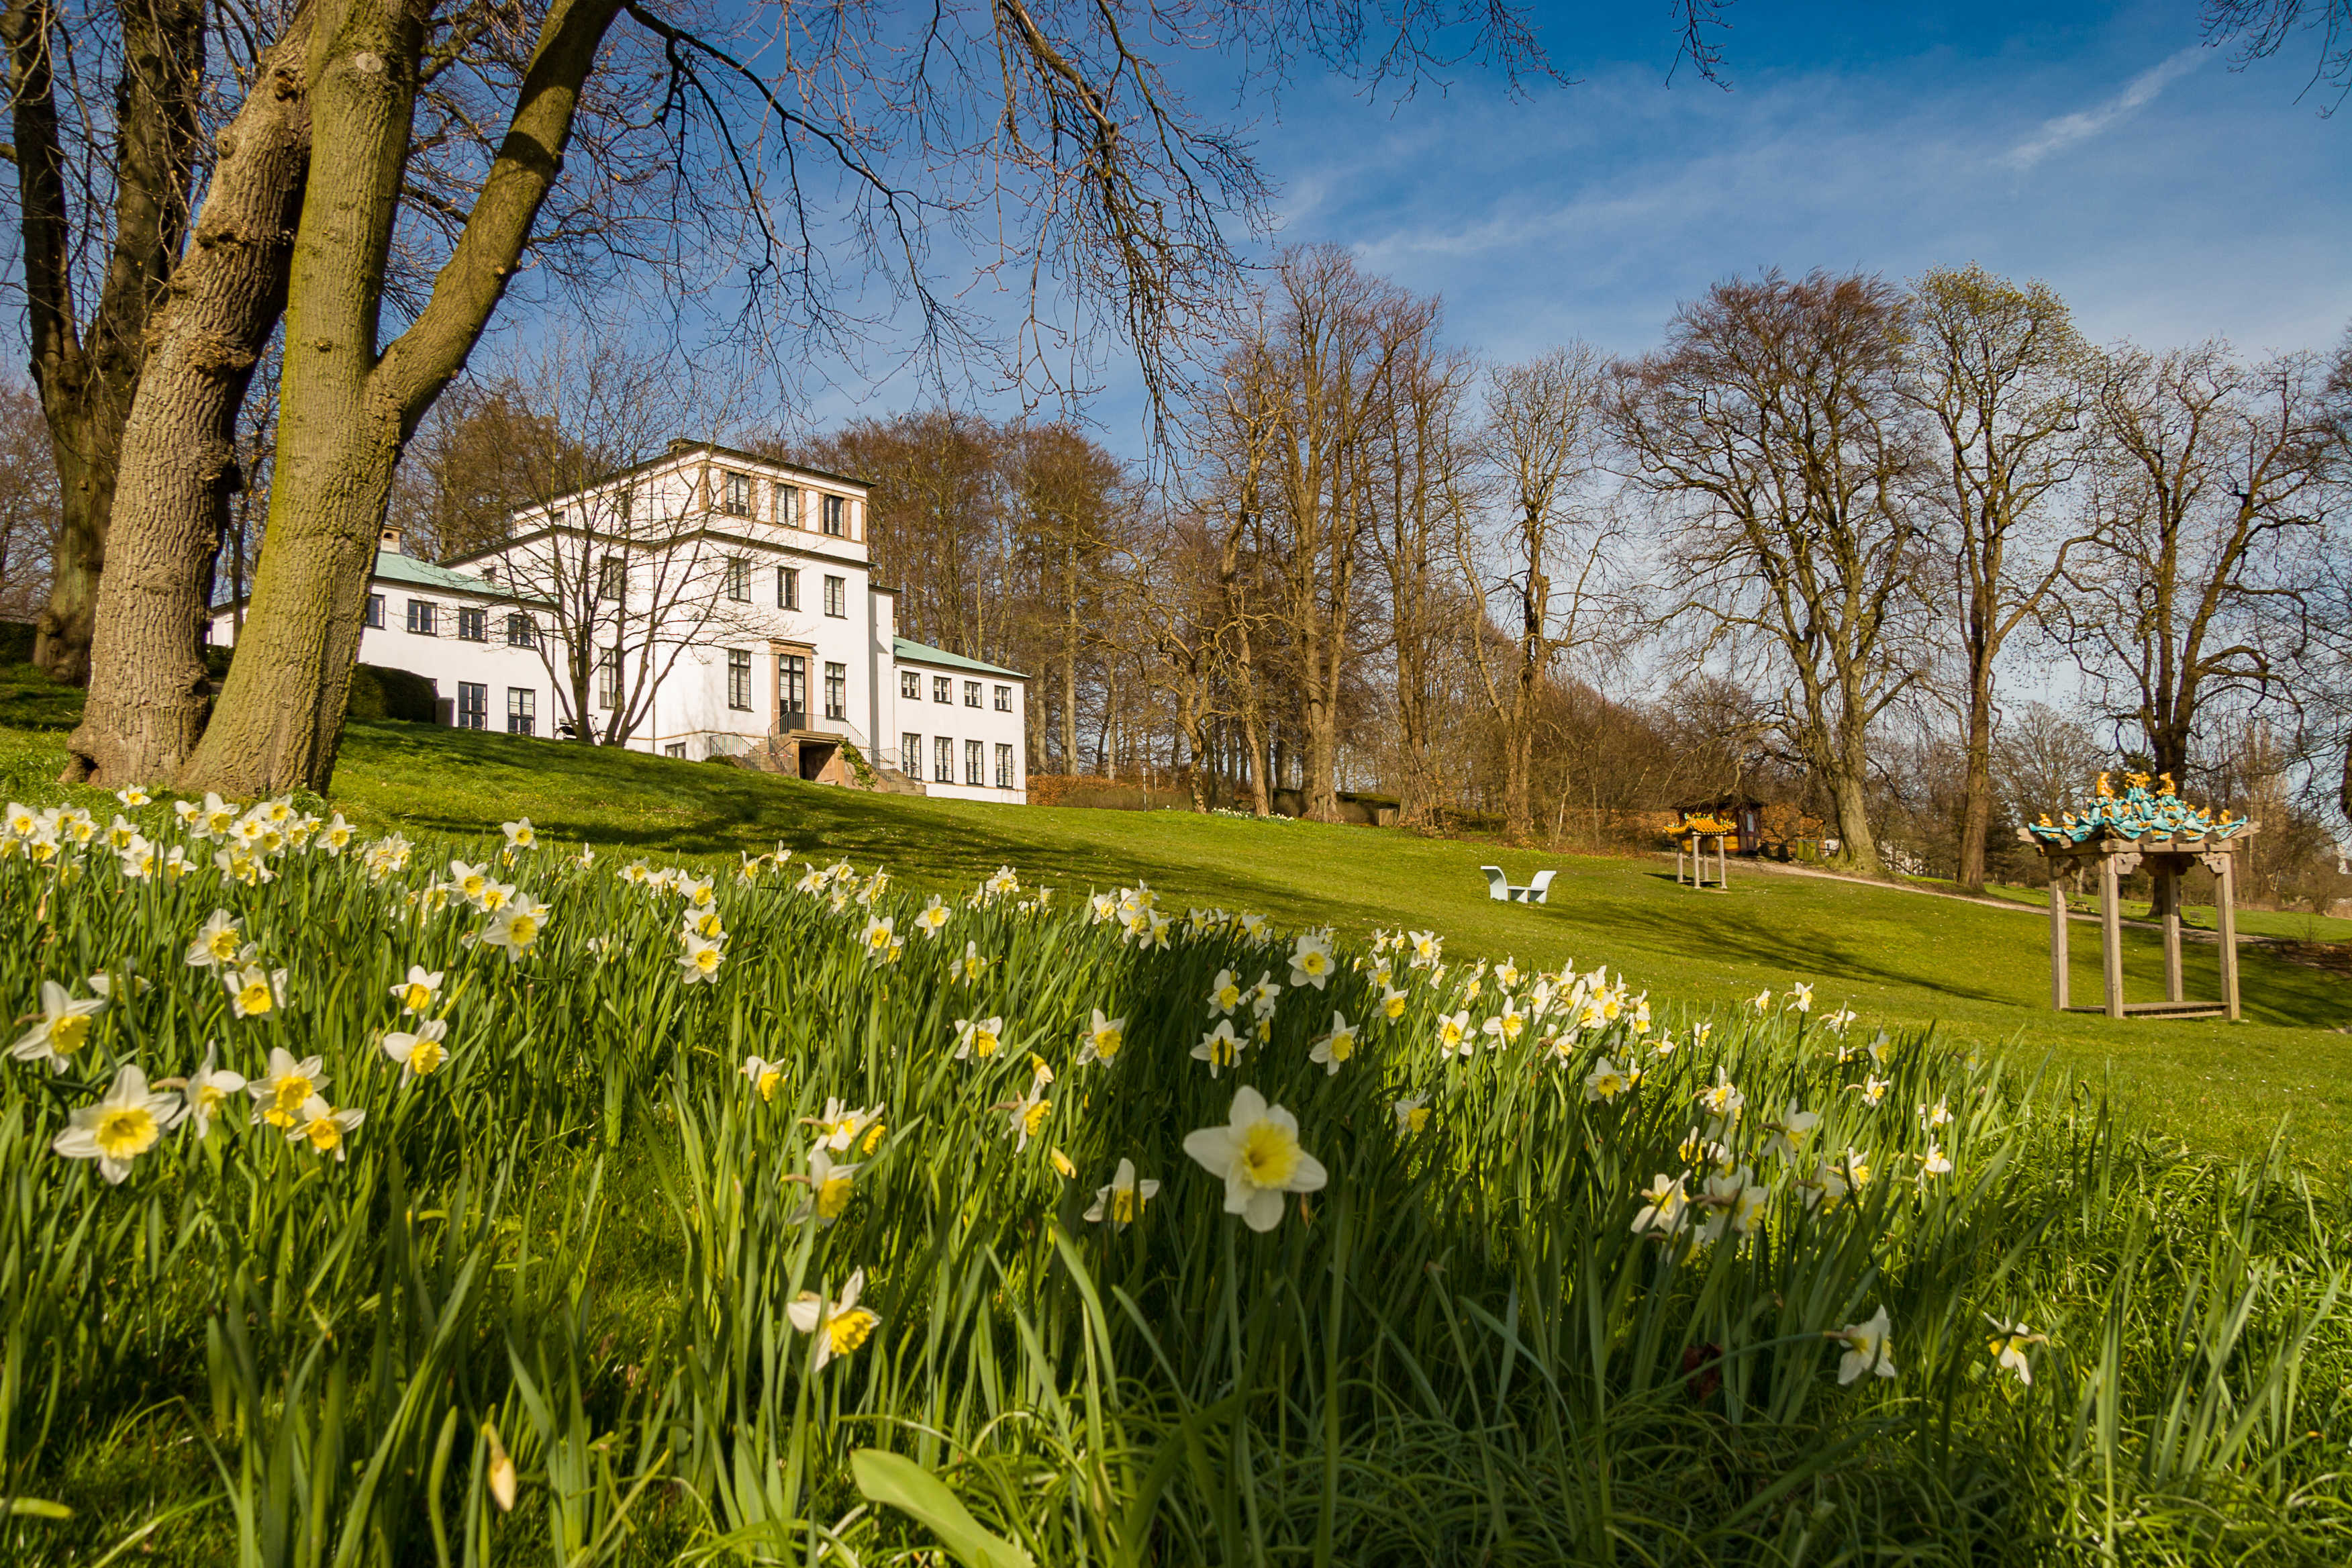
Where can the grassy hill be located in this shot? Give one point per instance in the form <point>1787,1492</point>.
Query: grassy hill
<point>1981,973</point>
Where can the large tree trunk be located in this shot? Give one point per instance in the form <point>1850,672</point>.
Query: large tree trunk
<point>1845,778</point>
<point>345,411</point>
<point>1976,786</point>
<point>87,374</point>
<point>148,688</point>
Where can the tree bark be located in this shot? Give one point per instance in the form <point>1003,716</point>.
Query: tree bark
<point>87,373</point>
<point>345,411</point>
<point>148,691</point>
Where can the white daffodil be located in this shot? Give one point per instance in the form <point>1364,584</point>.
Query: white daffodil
<point>468,882</point>
<point>1869,1349</point>
<point>840,1327</point>
<point>1220,1047</point>
<point>1940,1114</point>
<point>1101,1040</point>
<point>2008,1347</point>
<point>701,961</point>
<point>1411,1115</point>
<point>1454,1033</point>
<point>1605,1082</point>
<point>1735,1203</point>
<point>217,942</point>
<point>703,920</point>
<point>1392,1003</point>
<point>133,795</point>
<point>1761,1001</point>
<point>830,1186</point>
<point>971,966</point>
<point>495,897</point>
<point>254,991</point>
<point>842,1126</point>
<point>1873,1090</point>
<point>1426,947</point>
<point>765,1075</point>
<point>1800,998</point>
<point>61,1030</point>
<point>278,1095</point>
<point>336,835</point>
<point>1310,961</point>
<point>420,1052</point>
<point>520,834</point>
<point>1664,1206</point>
<point>130,1120</point>
<point>1880,1049</point>
<point>322,1127</point>
<point>1258,1155</point>
<point>1121,1203</point>
<point>1265,997</point>
<point>698,892</point>
<point>933,918</point>
<point>1722,1098</point>
<point>416,994</point>
<point>881,941</point>
<point>1332,1050</point>
<point>1027,1117</point>
<point>1506,1027</point>
<point>978,1037</point>
<point>208,1089</point>
<point>1935,1162</point>
<point>1226,994</point>
<point>1789,1133</point>
<point>1837,1022</point>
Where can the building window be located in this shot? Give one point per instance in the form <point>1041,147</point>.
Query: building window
<point>420,616</point>
<point>972,693</point>
<point>624,503</point>
<point>940,688</point>
<point>788,588</point>
<point>675,749</point>
<point>910,686</point>
<point>910,755</point>
<point>739,679</point>
<point>1004,699</point>
<point>738,580</point>
<point>834,524</point>
<point>836,691</point>
<point>608,678</point>
<point>520,633</point>
<point>375,610</point>
<point>735,495</point>
<point>942,759</point>
<point>473,706</point>
<point>612,578</point>
<point>974,755</point>
<point>522,710</point>
<point>788,505</point>
<point>473,625</point>
<point>836,596</point>
<point>791,670</point>
<point>1004,766</point>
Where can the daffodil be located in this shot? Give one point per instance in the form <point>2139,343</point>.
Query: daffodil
<point>133,795</point>
<point>1735,1203</point>
<point>1426,946</point>
<point>208,1089</point>
<point>1869,1349</point>
<point>703,921</point>
<point>1027,1117</point>
<point>1063,1165</point>
<point>1226,994</point>
<point>468,882</point>
<point>1334,1049</point>
<point>1935,1162</point>
<point>322,1127</point>
<point>61,1029</point>
<point>1265,997</point>
<point>130,1120</point>
<point>1220,1047</point>
<point>1257,1153</point>
<point>978,1037</point>
<point>416,994</point>
<point>1506,1027</point>
<point>1937,1115</point>
<point>830,1187</point>
<point>1392,1003</point>
<point>1605,1082</point>
<point>520,834</point>
<point>1880,1049</point>
<point>1664,1207</point>
<point>419,1052</point>
<point>933,918</point>
<point>1800,998</point>
<point>1411,1115</point>
<point>1310,961</point>
<point>881,941</point>
<point>278,1095</point>
<point>840,1327</point>
<point>1873,1090</point>
<point>1761,1001</point>
<point>1787,1135</point>
<point>842,1125</point>
<point>217,942</point>
<point>254,991</point>
<point>1121,1203</point>
<point>336,836</point>
<point>971,966</point>
<point>701,959</point>
<point>1454,1033</point>
<point>2008,1347</point>
<point>1101,1040</point>
<point>765,1075</point>
<point>1837,1022</point>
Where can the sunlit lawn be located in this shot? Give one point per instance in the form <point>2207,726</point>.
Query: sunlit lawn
<point>1981,973</point>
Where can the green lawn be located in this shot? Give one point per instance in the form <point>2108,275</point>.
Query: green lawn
<point>1981,973</point>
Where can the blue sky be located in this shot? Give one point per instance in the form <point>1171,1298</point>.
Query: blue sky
<point>2100,148</point>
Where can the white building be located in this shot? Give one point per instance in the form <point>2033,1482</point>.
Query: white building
<point>709,603</point>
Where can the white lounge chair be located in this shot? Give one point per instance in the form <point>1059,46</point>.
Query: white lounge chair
<point>1499,887</point>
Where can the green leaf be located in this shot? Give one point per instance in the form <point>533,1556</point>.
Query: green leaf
<point>902,1484</point>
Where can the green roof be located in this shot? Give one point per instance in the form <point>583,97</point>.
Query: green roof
<point>391,566</point>
<point>924,653</point>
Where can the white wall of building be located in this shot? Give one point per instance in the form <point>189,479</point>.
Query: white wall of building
<point>998,732</point>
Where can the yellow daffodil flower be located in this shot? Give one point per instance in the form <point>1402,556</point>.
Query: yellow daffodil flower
<point>1258,1155</point>
<point>130,1120</point>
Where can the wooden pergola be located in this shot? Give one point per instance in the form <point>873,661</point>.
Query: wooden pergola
<point>2116,835</point>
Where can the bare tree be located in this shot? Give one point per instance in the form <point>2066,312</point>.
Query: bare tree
<point>2001,375</point>
<point>1541,441</point>
<point>30,512</point>
<point>1772,427</point>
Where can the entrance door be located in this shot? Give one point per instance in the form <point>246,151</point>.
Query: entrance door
<point>792,692</point>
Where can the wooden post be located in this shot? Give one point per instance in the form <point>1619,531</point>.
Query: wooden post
<point>2166,875</point>
<point>2227,888</point>
<point>1722,865</point>
<point>1678,862</point>
<point>2058,961</point>
<point>2111,934</point>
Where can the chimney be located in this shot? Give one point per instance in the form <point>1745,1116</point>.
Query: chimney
<point>389,540</point>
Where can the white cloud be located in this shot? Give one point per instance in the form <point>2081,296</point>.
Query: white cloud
<point>2057,136</point>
